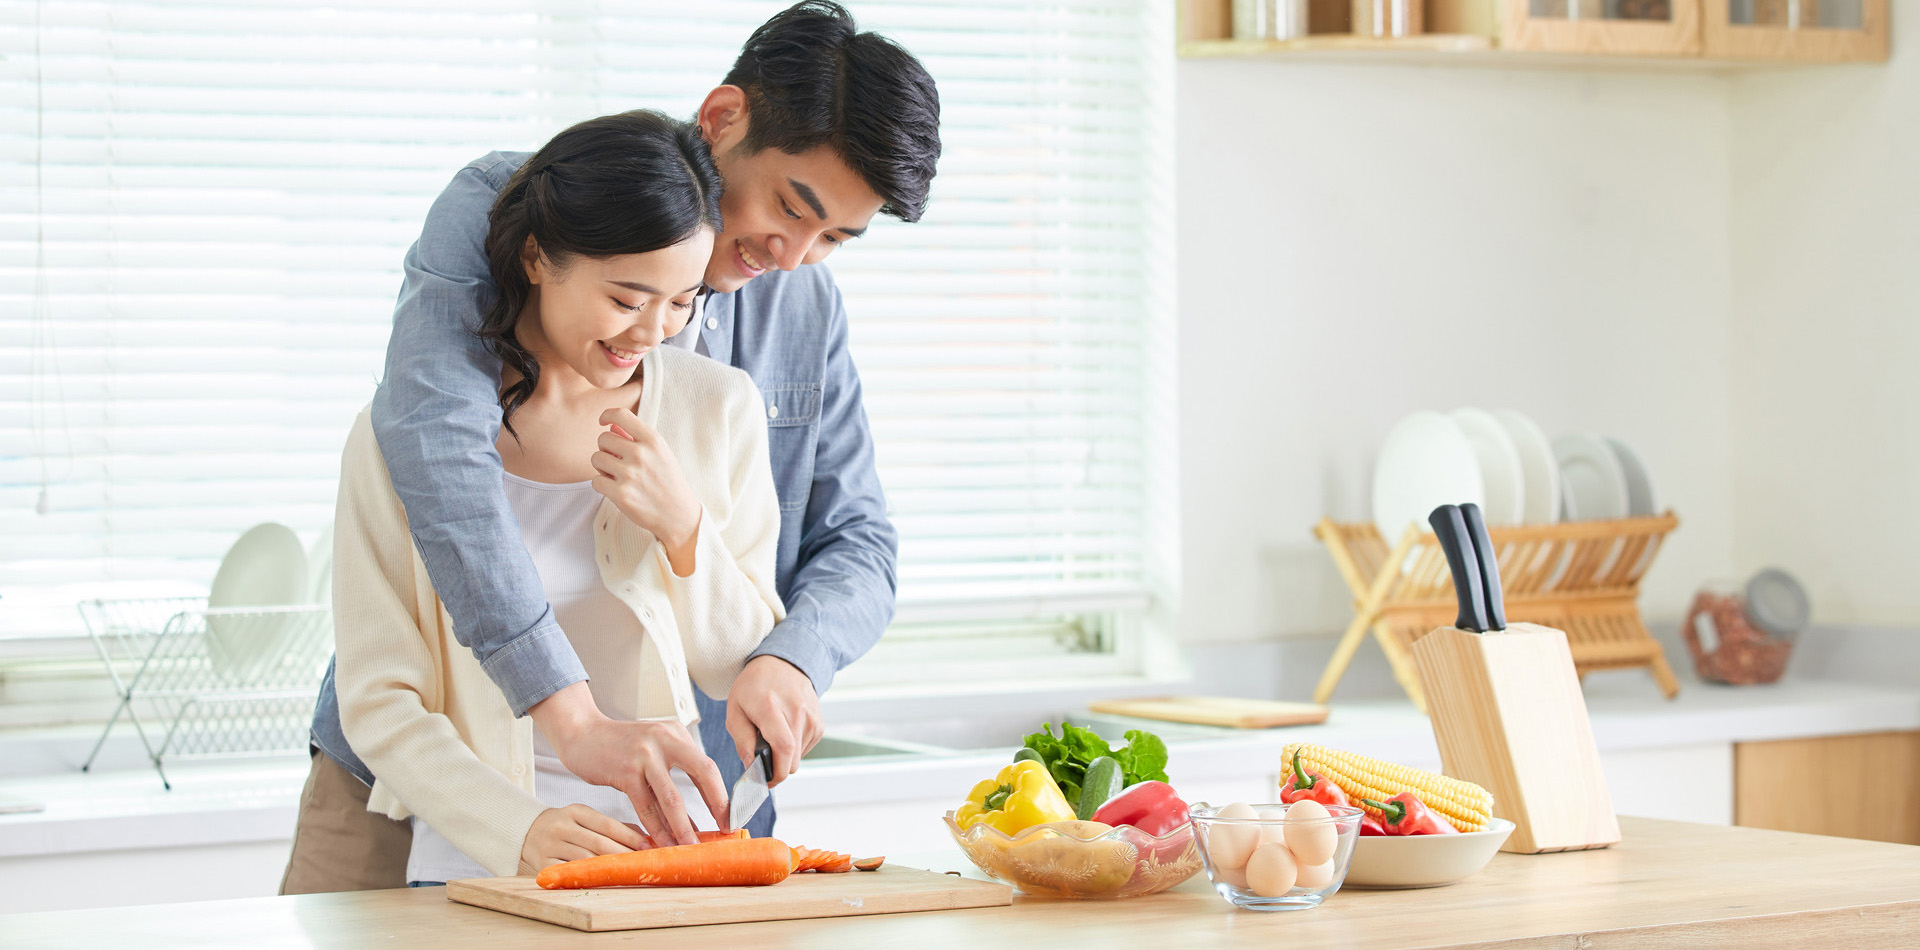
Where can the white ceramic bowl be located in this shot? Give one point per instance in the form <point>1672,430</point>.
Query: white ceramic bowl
<point>1424,860</point>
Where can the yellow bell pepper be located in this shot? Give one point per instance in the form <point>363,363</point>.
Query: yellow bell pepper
<point>1021,796</point>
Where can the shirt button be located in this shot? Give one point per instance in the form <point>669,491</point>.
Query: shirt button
<point>519,770</point>
<point>713,324</point>
<point>773,411</point>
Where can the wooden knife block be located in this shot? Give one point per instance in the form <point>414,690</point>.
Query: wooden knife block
<point>1508,715</point>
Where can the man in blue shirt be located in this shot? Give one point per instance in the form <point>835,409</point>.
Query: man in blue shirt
<point>816,129</point>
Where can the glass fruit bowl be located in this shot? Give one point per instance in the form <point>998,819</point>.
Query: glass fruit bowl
<point>1081,859</point>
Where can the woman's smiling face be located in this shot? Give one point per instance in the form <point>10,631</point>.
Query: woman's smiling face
<point>600,315</point>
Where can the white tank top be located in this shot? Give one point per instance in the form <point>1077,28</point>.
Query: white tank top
<point>556,523</point>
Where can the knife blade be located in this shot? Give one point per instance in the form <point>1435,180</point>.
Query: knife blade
<point>1489,566</point>
<point>750,789</point>
<point>1457,544</point>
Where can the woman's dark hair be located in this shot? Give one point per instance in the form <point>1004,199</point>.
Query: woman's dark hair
<point>619,184</point>
<point>812,79</point>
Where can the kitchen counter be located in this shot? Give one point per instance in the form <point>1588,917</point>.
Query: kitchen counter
<point>1667,884</point>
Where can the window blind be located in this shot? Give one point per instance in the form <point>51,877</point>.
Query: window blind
<point>204,206</point>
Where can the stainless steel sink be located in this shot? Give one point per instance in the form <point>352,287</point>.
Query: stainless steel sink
<point>844,747</point>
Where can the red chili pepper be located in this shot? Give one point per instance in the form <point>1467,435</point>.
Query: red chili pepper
<point>1407,815</point>
<point>1300,784</point>
<point>1370,827</point>
<point>1149,806</point>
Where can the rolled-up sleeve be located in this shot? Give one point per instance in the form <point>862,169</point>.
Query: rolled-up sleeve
<point>436,416</point>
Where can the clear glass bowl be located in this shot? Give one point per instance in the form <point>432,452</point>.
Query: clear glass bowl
<point>1219,838</point>
<point>1053,860</point>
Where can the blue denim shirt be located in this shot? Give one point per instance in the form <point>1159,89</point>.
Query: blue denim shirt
<point>436,416</point>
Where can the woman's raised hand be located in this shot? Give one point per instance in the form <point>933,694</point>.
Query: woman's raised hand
<point>639,474</point>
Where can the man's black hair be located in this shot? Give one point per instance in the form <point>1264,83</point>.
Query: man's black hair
<point>812,79</point>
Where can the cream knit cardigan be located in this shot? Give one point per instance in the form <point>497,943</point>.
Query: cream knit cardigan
<point>417,706</point>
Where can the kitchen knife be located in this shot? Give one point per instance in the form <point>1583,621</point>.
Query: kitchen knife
<point>1457,544</point>
<point>750,790</point>
<point>1489,566</point>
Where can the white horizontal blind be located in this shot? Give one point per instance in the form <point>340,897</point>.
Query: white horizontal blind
<point>204,206</point>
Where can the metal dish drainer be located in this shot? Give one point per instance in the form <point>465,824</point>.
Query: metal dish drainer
<point>211,682</point>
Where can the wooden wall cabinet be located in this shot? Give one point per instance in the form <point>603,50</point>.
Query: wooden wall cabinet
<point>1856,786</point>
<point>1591,27</point>
<point>1809,31</point>
<point>1546,32</point>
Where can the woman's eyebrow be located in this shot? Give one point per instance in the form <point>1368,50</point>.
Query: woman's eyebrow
<point>646,289</point>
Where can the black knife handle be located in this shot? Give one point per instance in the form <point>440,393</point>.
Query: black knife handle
<point>1451,528</point>
<point>1489,566</point>
<point>763,754</point>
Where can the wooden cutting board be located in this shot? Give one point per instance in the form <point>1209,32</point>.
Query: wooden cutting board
<point>890,890</point>
<point>1216,711</point>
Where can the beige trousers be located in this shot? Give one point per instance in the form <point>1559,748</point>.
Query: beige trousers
<point>338,845</point>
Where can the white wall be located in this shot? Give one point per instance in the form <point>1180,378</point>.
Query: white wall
<point>1826,355</point>
<point>1357,242</point>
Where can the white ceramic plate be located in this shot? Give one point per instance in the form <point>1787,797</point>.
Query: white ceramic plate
<point>1540,470</point>
<point>1423,860</point>
<point>267,567</point>
<point>1593,486</point>
<point>1642,500</point>
<point>1425,462</point>
<point>1501,474</point>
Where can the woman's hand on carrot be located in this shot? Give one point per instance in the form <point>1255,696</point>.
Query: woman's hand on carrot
<point>640,475</point>
<point>573,832</point>
<point>637,758</point>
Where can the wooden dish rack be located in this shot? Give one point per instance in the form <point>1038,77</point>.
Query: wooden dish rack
<point>1582,577</point>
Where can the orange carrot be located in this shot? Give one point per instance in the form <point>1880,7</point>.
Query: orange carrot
<point>726,862</point>
<point>705,836</point>
<point>840,862</point>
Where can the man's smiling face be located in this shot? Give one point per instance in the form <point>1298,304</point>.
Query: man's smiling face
<point>779,210</point>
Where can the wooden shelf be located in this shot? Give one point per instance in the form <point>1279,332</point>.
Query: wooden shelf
<point>1341,43</point>
<point>1504,33</point>
<point>1438,49</point>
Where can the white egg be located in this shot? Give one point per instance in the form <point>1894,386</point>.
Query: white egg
<point>1314,876</point>
<point>1271,870</point>
<point>1230,843</point>
<point>1271,829</point>
<point>1309,835</point>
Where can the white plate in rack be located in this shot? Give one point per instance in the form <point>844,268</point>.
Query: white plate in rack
<point>1593,485</point>
<point>1541,471</point>
<point>1425,462</point>
<point>1501,473</point>
<point>267,567</point>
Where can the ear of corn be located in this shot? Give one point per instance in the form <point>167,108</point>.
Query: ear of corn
<point>1465,805</point>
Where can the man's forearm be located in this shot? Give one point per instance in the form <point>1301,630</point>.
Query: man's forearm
<point>436,416</point>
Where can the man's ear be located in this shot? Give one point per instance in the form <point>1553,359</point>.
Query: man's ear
<point>723,118</point>
<point>531,261</point>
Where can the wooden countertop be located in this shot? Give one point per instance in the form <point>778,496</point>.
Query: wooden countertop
<point>1667,884</point>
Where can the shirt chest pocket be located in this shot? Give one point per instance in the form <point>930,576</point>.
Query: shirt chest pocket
<point>793,429</point>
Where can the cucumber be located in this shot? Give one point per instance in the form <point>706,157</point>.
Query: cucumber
<point>1103,781</point>
<point>1025,755</point>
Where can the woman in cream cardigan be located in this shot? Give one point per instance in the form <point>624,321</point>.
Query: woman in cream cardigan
<point>640,478</point>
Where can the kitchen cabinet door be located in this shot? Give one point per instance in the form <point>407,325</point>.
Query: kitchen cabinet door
<point>1858,786</point>
<point>1601,27</point>
<point>1819,31</point>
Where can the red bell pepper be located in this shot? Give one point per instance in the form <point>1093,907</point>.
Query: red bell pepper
<point>1408,815</point>
<point>1149,806</point>
<point>1370,827</point>
<point>1298,784</point>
